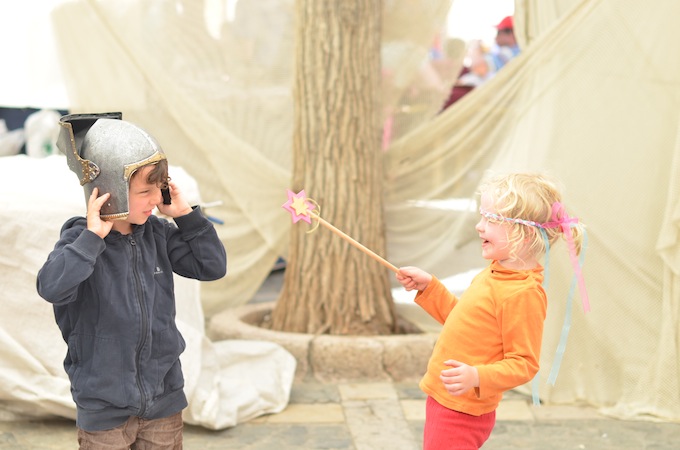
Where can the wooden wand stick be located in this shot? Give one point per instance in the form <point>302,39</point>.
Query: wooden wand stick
<point>355,243</point>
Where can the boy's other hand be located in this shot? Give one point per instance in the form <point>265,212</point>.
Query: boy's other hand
<point>178,206</point>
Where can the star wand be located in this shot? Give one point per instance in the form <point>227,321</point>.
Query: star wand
<point>303,208</point>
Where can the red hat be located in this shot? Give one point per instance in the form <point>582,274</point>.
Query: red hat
<point>505,24</point>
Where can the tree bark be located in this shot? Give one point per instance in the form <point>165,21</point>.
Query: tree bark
<point>330,286</point>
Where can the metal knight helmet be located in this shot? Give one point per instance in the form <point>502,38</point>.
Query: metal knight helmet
<point>104,151</point>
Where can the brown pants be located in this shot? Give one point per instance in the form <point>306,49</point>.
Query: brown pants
<point>136,434</point>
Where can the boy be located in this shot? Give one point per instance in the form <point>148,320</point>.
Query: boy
<point>110,279</point>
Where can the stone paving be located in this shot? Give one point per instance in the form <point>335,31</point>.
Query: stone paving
<point>377,416</point>
<point>380,416</point>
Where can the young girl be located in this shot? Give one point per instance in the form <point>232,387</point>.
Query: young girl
<point>491,338</point>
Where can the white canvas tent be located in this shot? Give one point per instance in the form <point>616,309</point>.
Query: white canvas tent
<point>592,99</point>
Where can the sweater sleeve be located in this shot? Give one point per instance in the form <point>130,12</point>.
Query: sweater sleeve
<point>196,251</point>
<point>69,264</point>
<point>521,320</point>
<point>436,300</point>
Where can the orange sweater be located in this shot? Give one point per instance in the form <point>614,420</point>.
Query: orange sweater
<point>496,326</point>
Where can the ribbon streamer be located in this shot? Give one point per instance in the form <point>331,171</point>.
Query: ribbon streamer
<point>561,219</point>
<point>562,345</point>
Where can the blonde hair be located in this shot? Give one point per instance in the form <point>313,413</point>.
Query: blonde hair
<point>529,197</point>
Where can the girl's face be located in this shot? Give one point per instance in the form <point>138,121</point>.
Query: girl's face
<point>495,240</point>
<point>142,200</point>
<point>493,233</point>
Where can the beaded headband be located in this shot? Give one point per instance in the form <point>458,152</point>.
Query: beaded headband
<point>559,218</point>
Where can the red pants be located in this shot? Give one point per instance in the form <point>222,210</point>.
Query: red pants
<point>446,429</point>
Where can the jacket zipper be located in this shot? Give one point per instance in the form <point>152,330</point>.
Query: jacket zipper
<point>144,325</point>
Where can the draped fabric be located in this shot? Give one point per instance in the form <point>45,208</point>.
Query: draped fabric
<point>217,94</point>
<point>592,99</point>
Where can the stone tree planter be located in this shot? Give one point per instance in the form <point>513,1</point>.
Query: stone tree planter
<point>326,358</point>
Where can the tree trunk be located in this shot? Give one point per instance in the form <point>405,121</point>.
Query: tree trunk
<point>330,286</point>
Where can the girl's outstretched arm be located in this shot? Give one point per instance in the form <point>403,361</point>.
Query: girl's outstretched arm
<point>413,278</point>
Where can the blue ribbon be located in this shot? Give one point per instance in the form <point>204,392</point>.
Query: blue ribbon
<point>562,346</point>
<point>566,326</point>
<point>546,281</point>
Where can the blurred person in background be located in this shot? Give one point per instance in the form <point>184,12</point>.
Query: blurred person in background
<point>482,63</point>
<point>506,47</point>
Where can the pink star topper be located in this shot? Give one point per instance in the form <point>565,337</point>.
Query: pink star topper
<point>299,207</point>
<point>302,208</point>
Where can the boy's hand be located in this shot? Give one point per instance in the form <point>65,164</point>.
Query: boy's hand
<point>413,278</point>
<point>460,378</point>
<point>178,206</point>
<point>94,221</point>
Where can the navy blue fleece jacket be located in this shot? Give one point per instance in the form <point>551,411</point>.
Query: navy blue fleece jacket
<point>114,303</point>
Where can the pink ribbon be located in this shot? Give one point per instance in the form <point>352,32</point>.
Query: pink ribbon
<point>561,219</point>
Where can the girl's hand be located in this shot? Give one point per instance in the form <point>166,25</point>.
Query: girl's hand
<point>178,205</point>
<point>460,378</point>
<point>413,278</point>
<point>95,223</point>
